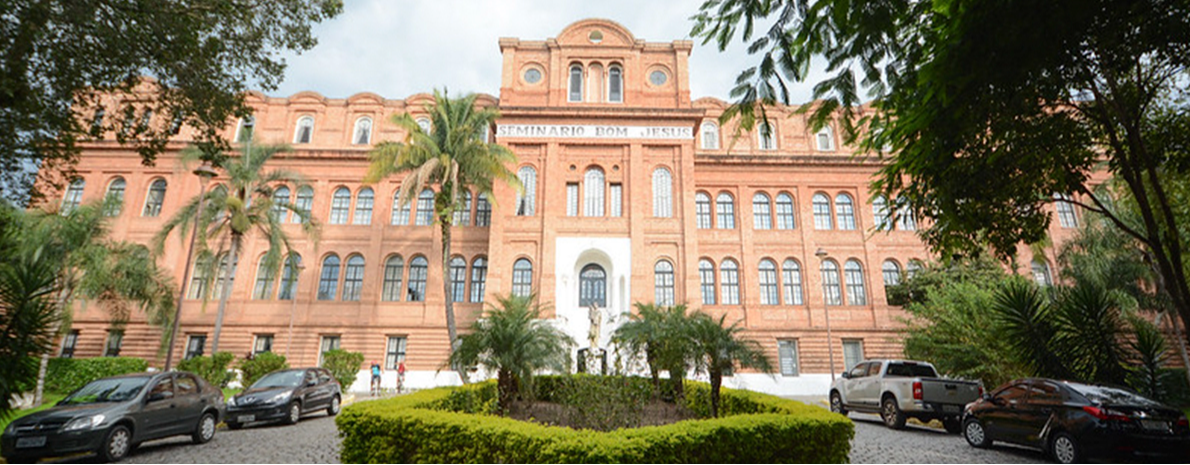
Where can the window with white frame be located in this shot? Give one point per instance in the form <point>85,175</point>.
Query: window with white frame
<point>853,274</point>
<point>791,278</point>
<point>702,210</point>
<point>891,273</point>
<point>1066,216</point>
<point>419,269</point>
<point>526,200</point>
<point>200,277</point>
<point>289,277</point>
<point>425,124</point>
<point>762,211</point>
<point>593,185</point>
<point>1041,273</point>
<point>262,343</point>
<point>280,200</point>
<point>394,267</point>
<point>662,193</point>
<point>729,282</point>
<point>905,219</point>
<point>483,211</point>
<point>912,268</point>
<point>224,278</point>
<point>787,356</point>
<point>113,200</point>
<point>400,213</point>
<point>69,342</point>
<point>853,352</point>
<point>394,352</point>
<point>706,280</point>
<point>571,199</point>
<point>326,344</point>
<point>462,216</point>
<point>615,194</point>
<point>522,277</point>
<point>615,84</point>
<point>328,280</point>
<point>768,282</point>
<point>245,129</point>
<point>425,208</point>
<point>663,283</point>
<point>766,136</point>
<point>363,206</point>
<point>362,135</point>
<point>710,135</point>
<point>479,278</point>
<point>353,278</point>
<point>575,93</point>
<point>194,345</point>
<point>825,139</point>
<point>880,216</point>
<point>73,196</point>
<point>340,206</point>
<point>115,341</point>
<point>304,131</point>
<point>785,215</point>
<point>830,283</point>
<point>304,204</point>
<point>265,276</point>
<point>724,211</point>
<point>155,199</point>
<point>458,279</point>
<point>822,211</point>
<point>845,212</point>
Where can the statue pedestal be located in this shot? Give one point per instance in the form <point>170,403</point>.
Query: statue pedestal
<point>592,360</point>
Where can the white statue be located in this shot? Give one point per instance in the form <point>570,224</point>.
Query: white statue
<point>596,318</point>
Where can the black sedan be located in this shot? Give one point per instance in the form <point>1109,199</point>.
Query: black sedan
<point>285,395</point>
<point>1072,421</point>
<point>111,416</point>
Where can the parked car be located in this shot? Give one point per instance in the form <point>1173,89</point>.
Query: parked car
<point>111,416</point>
<point>901,389</point>
<point>1073,421</point>
<point>285,395</point>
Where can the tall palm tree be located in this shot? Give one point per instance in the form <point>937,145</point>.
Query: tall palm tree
<point>512,340</point>
<point>232,212</point>
<point>452,155</point>
<point>28,297</point>
<point>660,335</point>
<point>721,348</point>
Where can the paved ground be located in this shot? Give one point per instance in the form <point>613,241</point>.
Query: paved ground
<point>875,443</point>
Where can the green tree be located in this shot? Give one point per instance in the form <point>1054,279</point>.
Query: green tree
<point>512,340</point>
<point>28,297</point>
<point>661,336</point>
<point>163,63</point>
<point>990,112</point>
<point>453,155</point>
<point>241,205</point>
<point>720,348</point>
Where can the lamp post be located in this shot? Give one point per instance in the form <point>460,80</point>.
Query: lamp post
<point>830,346</point>
<point>204,172</point>
<point>297,272</point>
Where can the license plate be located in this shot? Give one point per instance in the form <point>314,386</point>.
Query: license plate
<point>1155,425</point>
<point>34,441</point>
<point>950,408</point>
<point>246,418</point>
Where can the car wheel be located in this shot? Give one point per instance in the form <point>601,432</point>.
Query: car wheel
<point>117,444</point>
<point>837,404</point>
<point>975,434</point>
<point>891,414</point>
<point>205,429</point>
<point>335,406</point>
<point>295,413</point>
<point>1065,449</point>
<point>234,425</point>
<point>952,425</point>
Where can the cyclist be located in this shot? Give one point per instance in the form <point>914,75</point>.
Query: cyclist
<point>376,372</point>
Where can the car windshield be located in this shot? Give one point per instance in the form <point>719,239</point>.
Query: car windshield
<point>107,390</point>
<point>280,379</point>
<point>1106,395</point>
<point>910,370</point>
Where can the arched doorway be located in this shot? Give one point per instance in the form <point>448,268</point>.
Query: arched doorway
<point>592,287</point>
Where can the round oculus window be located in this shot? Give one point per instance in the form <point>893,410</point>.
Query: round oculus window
<point>658,77</point>
<point>595,37</point>
<point>532,75</point>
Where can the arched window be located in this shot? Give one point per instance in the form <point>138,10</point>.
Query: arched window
<point>593,185</point>
<point>483,211</point>
<point>425,208</point>
<point>458,279</point>
<point>113,200</point>
<point>768,282</point>
<point>400,214</point>
<point>1066,216</point>
<point>762,211</point>
<point>304,131</point>
<point>662,193</point>
<point>830,283</point>
<point>479,278</point>
<point>200,277</point>
<point>912,268</point>
<point>328,280</point>
<point>462,216</point>
<point>363,206</point>
<point>766,136</point>
<point>280,199</point>
<point>822,211</point>
<point>891,272</point>
<point>853,273</point>
<point>710,135</point>
<point>1041,273</point>
<point>245,129</point>
<point>522,277</point>
<point>729,282</point>
<point>526,201</point>
<point>706,281</point>
<point>73,196</point>
<point>785,217</point>
<point>702,210</point>
<point>825,139</point>
<point>265,276</point>
<point>289,277</point>
<point>419,268</point>
<point>340,206</point>
<point>845,212</point>
<point>304,204</point>
<point>725,211</point>
<point>663,283</point>
<point>394,267</point>
<point>353,278</point>
<point>615,84</point>
<point>154,199</point>
<point>224,277</point>
<point>880,214</point>
<point>425,124</point>
<point>576,83</point>
<point>362,135</point>
<point>791,276</point>
<point>905,219</point>
<point>592,286</point>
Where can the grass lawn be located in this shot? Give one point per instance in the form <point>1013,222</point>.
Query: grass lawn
<point>48,400</point>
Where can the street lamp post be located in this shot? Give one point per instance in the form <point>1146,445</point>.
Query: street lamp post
<point>830,346</point>
<point>204,172</point>
<point>297,272</point>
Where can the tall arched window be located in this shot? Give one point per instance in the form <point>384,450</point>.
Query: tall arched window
<point>762,211</point>
<point>706,281</point>
<point>154,199</point>
<point>725,211</point>
<point>592,286</point>
<point>522,277</point>
<point>845,212</point>
<point>766,136</point>
<point>702,210</point>
<point>768,282</point>
<point>394,267</point>
<point>526,201</point>
<point>791,277</point>
<point>615,84</point>
<point>425,124</point>
<point>785,217</point>
<point>353,278</point>
<point>265,276</point>
<point>710,135</point>
<point>593,186</point>
<point>400,213</point>
<point>425,208</point>
<point>1066,216</point>
<point>663,189</point>
<point>73,196</point>
<point>462,216</point>
<point>114,198</point>
<point>905,219</point>
<point>304,131</point>
<point>729,282</point>
<point>825,139</point>
<point>362,135</point>
<point>483,211</point>
<point>304,204</point>
<point>822,211</point>
<point>912,268</point>
<point>880,214</point>
<point>663,283</point>
<point>200,277</point>
<point>830,283</point>
<point>575,93</point>
<point>458,279</point>
<point>419,268</point>
<point>328,280</point>
<point>853,274</point>
<point>363,206</point>
<point>340,206</point>
<point>479,278</point>
<point>289,276</point>
<point>245,129</point>
<point>891,273</point>
<point>280,199</point>
<point>225,275</point>
<point>1041,273</point>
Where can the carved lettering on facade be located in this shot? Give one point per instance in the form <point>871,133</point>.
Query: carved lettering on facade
<point>576,131</point>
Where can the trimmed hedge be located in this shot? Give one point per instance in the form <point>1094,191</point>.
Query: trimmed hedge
<point>64,375</point>
<point>254,368</point>
<point>431,426</point>
<point>343,365</point>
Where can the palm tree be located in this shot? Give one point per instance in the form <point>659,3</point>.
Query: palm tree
<point>721,348</point>
<point>512,340</point>
<point>233,212</point>
<point>660,335</point>
<point>28,290</point>
<point>453,155</point>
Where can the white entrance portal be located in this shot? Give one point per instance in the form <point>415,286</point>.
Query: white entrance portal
<point>614,257</point>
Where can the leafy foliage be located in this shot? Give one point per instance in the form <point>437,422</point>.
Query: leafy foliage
<point>660,335</point>
<point>599,403</point>
<point>343,365</point>
<point>64,375</point>
<point>252,369</point>
<point>720,348</point>
<point>27,320</point>
<point>214,368</point>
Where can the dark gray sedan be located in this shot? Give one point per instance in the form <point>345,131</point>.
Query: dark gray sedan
<point>111,416</point>
<point>285,395</point>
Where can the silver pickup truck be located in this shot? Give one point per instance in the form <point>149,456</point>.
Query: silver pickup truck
<point>901,389</point>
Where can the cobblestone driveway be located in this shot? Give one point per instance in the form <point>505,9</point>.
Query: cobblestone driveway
<point>874,443</point>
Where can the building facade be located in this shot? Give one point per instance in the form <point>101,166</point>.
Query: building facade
<point>634,192</point>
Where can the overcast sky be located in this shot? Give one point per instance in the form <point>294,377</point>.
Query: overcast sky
<point>397,48</point>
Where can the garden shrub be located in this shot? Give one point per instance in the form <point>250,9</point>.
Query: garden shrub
<point>212,368</point>
<point>261,364</point>
<point>343,365</point>
<point>601,403</point>
<point>64,375</point>
<point>421,427</point>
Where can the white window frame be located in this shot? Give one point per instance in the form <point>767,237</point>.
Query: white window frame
<point>355,131</point>
<point>304,121</point>
<point>710,135</point>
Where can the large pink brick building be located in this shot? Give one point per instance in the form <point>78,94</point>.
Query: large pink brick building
<point>635,193</point>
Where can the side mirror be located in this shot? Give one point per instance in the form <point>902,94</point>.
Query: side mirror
<point>157,396</point>
<point>846,375</point>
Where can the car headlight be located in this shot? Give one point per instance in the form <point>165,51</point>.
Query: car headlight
<point>279,398</point>
<point>11,426</point>
<point>87,422</point>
